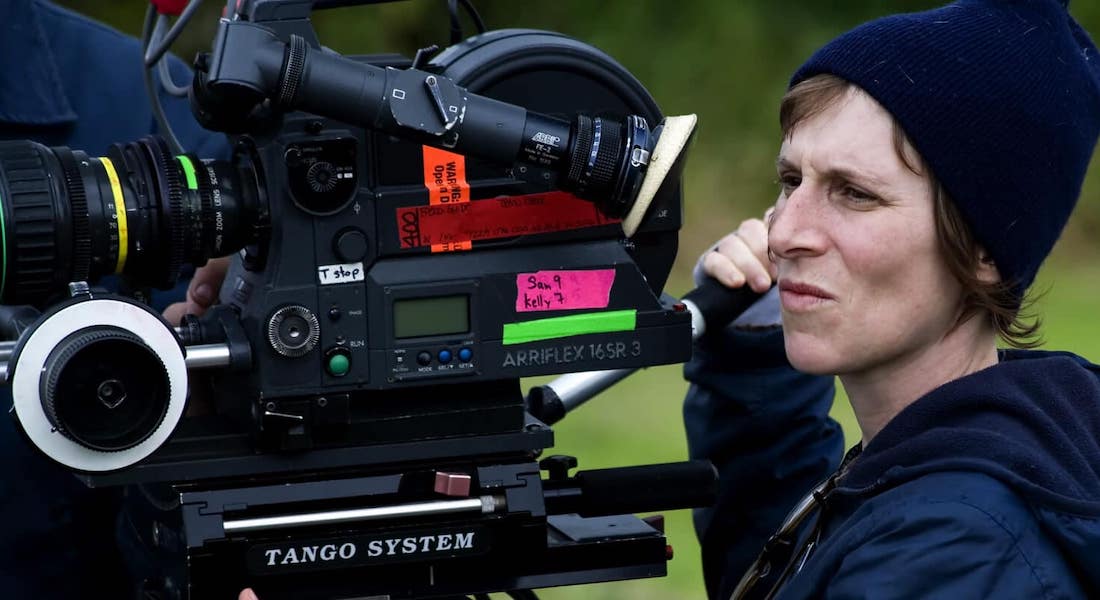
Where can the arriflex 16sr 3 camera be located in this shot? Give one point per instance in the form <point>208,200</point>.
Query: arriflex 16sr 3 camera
<point>409,239</point>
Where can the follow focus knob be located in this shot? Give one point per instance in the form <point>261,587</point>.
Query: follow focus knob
<point>105,389</point>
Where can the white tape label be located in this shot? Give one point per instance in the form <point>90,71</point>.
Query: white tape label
<point>330,274</point>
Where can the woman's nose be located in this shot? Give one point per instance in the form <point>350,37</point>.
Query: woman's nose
<point>796,227</point>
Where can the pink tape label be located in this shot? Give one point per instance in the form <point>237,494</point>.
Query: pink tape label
<point>563,290</point>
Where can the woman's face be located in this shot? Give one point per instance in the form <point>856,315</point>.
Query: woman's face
<point>862,282</point>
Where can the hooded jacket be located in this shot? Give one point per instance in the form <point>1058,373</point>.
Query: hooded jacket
<point>988,486</point>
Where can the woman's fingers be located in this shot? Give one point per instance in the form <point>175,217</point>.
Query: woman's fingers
<point>741,258</point>
<point>201,293</point>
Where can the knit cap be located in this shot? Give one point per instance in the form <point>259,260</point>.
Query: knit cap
<point>1002,100</point>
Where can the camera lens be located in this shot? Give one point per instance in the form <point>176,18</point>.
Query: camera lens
<point>138,212</point>
<point>103,388</point>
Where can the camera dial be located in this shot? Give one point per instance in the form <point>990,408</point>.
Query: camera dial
<point>293,331</point>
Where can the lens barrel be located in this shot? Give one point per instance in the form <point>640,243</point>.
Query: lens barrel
<point>138,211</point>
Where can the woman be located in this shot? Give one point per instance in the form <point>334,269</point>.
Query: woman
<point>929,163</point>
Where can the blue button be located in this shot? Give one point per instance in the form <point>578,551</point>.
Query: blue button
<point>465,354</point>
<point>444,356</point>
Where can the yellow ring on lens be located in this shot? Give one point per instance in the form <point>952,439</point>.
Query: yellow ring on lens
<point>120,212</point>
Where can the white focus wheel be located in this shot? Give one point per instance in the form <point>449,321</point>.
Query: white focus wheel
<point>85,417</point>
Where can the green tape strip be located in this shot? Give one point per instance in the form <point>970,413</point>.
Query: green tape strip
<point>188,172</point>
<point>559,327</point>
<point>3,250</point>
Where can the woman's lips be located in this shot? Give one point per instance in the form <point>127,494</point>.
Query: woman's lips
<point>796,296</point>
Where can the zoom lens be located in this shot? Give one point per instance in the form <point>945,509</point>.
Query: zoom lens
<point>138,211</point>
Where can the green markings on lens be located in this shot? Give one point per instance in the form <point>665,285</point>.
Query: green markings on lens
<point>559,327</point>
<point>3,250</point>
<point>188,172</point>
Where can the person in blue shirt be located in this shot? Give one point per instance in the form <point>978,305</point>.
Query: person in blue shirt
<point>929,162</point>
<point>68,81</point>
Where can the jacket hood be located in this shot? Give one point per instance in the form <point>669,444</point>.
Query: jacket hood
<point>1032,421</point>
<point>32,89</point>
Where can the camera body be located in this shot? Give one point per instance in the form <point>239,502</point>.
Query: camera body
<point>424,276</point>
<point>355,421</point>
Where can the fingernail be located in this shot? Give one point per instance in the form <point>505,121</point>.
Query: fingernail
<point>761,282</point>
<point>204,294</point>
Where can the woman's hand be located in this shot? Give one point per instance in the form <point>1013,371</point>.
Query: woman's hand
<point>202,292</point>
<point>247,594</point>
<point>739,258</point>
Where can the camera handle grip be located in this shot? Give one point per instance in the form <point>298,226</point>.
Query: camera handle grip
<point>647,488</point>
<point>713,305</point>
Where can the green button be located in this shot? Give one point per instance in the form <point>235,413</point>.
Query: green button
<point>339,365</point>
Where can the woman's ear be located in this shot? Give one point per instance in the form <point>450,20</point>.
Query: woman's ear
<point>987,270</point>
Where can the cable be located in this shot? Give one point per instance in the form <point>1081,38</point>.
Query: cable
<point>456,27</point>
<point>474,16</point>
<point>166,81</point>
<point>150,88</point>
<point>155,53</point>
<point>179,91</point>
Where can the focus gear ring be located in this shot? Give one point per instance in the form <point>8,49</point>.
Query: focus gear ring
<point>172,189</point>
<point>78,203</point>
<point>293,70</point>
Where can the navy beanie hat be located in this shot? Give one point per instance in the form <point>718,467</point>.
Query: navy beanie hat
<point>1002,100</point>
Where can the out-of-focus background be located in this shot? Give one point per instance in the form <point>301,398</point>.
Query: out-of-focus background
<point>728,61</point>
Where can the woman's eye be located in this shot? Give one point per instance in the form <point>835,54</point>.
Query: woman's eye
<point>789,183</point>
<point>857,195</point>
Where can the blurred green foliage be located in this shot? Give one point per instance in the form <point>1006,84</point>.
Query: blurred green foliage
<point>728,61</point>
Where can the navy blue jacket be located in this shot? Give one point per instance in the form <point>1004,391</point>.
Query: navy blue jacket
<point>987,487</point>
<point>65,80</point>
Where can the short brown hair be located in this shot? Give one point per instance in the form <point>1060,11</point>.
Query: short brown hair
<point>1008,313</point>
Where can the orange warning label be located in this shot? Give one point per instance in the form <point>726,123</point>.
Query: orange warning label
<point>445,176</point>
<point>453,246</point>
<point>494,218</point>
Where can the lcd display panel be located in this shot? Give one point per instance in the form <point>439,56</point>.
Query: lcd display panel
<point>425,317</point>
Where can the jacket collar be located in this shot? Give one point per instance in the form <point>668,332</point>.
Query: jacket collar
<point>32,91</point>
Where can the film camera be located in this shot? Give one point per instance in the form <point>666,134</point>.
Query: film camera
<point>408,240</point>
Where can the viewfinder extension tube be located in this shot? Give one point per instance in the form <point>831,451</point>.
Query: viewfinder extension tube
<point>598,159</point>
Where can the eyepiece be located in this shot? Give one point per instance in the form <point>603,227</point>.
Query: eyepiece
<point>607,161</point>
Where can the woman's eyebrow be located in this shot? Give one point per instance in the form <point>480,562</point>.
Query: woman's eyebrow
<point>850,174</point>
<point>835,173</point>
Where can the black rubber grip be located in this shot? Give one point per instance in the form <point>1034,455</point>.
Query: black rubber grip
<point>544,404</point>
<point>624,490</point>
<point>719,304</point>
